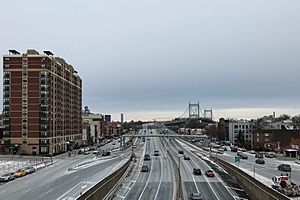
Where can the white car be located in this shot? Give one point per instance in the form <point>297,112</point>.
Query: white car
<point>29,170</point>
<point>7,177</point>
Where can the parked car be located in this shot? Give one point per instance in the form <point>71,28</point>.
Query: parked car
<point>185,157</point>
<point>95,152</point>
<point>145,168</point>
<point>197,171</point>
<point>146,157</point>
<point>252,152</point>
<point>284,167</point>
<point>20,173</point>
<point>209,173</point>
<point>156,153</point>
<point>242,155</point>
<point>86,153</point>
<point>180,152</point>
<point>260,161</point>
<point>29,170</point>
<point>106,153</point>
<point>195,196</point>
<point>7,177</point>
<point>270,155</point>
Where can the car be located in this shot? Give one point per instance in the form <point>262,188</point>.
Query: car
<point>233,149</point>
<point>260,161</point>
<point>195,196</point>
<point>113,143</point>
<point>145,168</point>
<point>197,171</point>
<point>251,152</point>
<point>209,173</point>
<point>106,153</point>
<point>86,153</point>
<point>20,173</point>
<point>284,167</point>
<point>156,153</point>
<point>270,155</point>
<point>146,157</point>
<point>7,177</point>
<point>180,152</point>
<point>29,170</point>
<point>95,152</point>
<point>186,157</point>
<point>242,155</point>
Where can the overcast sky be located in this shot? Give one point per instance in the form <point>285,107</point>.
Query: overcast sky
<point>148,59</point>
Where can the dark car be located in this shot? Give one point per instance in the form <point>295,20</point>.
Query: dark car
<point>146,157</point>
<point>106,153</point>
<point>209,173</point>
<point>260,161</point>
<point>156,153</point>
<point>197,171</point>
<point>195,196</point>
<point>180,152</point>
<point>186,157</point>
<point>285,168</point>
<point>145,168</point>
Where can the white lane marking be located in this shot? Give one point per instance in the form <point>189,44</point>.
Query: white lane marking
<point>147,179</point>
<point>48,191</point>
<point>140,164</point>
<point>26,191</point>
<point>161,173</point>
<point>59,198</point>
<point>207,181</point>
<point>218,177</point>
<point>192,175</point>
<point>3,191</point>
<point>232,188</point>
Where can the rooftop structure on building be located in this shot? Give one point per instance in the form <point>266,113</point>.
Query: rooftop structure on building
<point>42,96</point>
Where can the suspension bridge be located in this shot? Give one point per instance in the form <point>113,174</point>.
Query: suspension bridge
<point>193,112</point>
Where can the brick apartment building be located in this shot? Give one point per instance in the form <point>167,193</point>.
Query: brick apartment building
<point>42,97</point>
<point>275,139</point>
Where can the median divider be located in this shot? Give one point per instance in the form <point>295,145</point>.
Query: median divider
<point>101,189</point>
<point>253,187</point>
<point>177,178</point>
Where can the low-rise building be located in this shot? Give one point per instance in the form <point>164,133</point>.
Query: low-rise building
<point>240,131</point>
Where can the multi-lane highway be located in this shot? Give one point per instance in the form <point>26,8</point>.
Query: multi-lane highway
<point>161,181</point>
<point>158,182</point>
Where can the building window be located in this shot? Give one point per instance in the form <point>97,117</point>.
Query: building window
<point>44,149</point>
<point>236,126</point>
<point>267,134</point>
<point>6,58</point>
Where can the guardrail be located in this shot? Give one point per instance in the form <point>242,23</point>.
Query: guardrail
<point>253,187</point>
<point>101,189</point>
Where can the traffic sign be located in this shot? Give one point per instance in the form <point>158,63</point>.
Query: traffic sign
<point>236,159</point>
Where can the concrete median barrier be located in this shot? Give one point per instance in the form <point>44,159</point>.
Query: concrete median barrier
<point>101,189</point>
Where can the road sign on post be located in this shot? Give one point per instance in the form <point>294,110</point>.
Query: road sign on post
<point>237,159</point>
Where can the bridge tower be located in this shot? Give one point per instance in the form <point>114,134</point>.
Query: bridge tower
<point>208,114</point>
<point>194,111</point>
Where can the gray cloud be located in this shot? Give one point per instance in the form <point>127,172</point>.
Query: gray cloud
<point>154,55</point>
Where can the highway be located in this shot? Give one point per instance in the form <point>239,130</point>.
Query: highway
<point>58,182</point>
<point>160,181</point>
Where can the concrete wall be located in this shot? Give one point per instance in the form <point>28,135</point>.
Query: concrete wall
<point>253,187</point>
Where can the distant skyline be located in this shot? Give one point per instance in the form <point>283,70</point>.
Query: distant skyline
<point>148,59</point>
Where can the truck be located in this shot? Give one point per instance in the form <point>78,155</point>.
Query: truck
<point>284,185</point>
